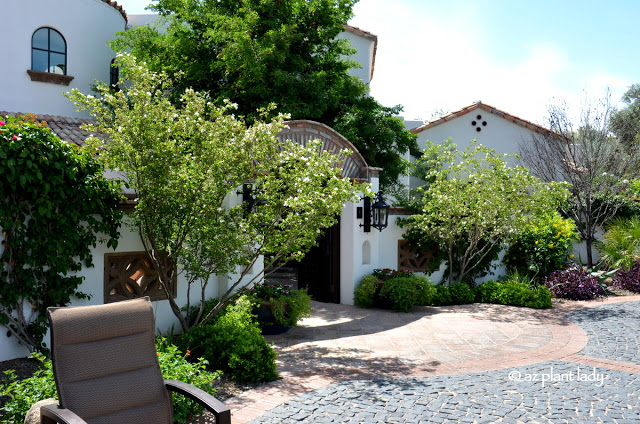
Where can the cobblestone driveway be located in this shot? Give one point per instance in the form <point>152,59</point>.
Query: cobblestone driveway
<point>572,364</point>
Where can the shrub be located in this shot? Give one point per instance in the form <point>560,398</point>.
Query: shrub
<point>384,274</point>
<point>461,294</point>
<point>365,294</point>
<point>442,296</point>
<point>574,283</point>
<point>517,293</point>
<point>456,294</point>
<point>628,278</point>
<point>176,366</point>
<point>234,344</point>
<point>403,293</point>
<point>487,292</point>
<point>173,364</point>
<point>542,246</point>
<point>620,246</point>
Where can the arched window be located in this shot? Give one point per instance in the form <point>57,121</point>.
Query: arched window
<point>114,74</point>
<point>48,51</point>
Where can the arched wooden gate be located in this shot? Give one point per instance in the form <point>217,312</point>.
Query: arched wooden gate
<point>319,271</point>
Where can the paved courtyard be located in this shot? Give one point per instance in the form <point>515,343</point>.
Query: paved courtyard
<point>579,362</point>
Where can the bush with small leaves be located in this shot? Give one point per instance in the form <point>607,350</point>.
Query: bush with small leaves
<point>403,293</point>
<point>234,344</point>
<point>365,294</point>
<point>628,278</point>
<point>487,292</point>
<point>461,293</point>
<point>442,296</point>
<point>574,283</point>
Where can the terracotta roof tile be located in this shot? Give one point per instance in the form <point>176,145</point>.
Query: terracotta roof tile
<point>119,8</point>
<point>68,129</point>
<point>479,105</point>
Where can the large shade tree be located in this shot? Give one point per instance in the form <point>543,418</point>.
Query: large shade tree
<point>186,162</point>
<point>258,52</point>
<point>582,151</point>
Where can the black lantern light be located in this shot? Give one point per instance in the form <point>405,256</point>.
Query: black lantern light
<point>380,212</point>
<point>376,215</point>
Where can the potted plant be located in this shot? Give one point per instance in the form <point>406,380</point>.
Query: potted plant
<point>278,306</point>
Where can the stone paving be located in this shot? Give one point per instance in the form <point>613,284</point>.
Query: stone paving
<point>578,362</point>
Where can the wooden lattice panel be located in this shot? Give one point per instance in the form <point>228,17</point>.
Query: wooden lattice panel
<point>413,259</point>
<point>131,275</point>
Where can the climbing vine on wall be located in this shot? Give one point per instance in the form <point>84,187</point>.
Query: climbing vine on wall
<point>54,206</point>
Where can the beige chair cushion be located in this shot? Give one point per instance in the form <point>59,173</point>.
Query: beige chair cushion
<point>105,363</point>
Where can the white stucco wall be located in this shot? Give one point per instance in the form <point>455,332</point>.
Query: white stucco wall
<point>498,133</point>
<point>86,25</point>
<point>363,55</point>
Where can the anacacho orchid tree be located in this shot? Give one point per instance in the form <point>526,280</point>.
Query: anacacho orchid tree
<point>185,162</point>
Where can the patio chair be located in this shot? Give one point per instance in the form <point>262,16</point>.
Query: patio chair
<point>106,368</point>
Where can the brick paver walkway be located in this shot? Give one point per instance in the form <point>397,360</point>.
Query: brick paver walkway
<point>470,363</point>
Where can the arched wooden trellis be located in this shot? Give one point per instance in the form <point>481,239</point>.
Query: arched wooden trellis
<point>304,131</point>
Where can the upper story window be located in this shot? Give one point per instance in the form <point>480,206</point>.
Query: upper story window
<point>48,51</point>
<point>114,75</point>
<point>49,57</point>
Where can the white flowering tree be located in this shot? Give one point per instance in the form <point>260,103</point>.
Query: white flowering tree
<point>473,202</point>
<point>185,163</point>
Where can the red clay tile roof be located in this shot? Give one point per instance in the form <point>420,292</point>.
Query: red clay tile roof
<point>370,36</point>
<point>119,8</point>
<point>68,129</point>
<point>479,105</point>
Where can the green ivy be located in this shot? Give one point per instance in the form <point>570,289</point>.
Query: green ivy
<point>54,206</point>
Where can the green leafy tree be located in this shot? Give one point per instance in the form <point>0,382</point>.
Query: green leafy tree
<point>185,162</point>
<point>258,52</point>
<point>597,166</point>
<point>625,123</point>
<point>473,202</point>
<point>55,205</point>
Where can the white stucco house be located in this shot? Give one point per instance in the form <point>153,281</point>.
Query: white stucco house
<point>52,51</point>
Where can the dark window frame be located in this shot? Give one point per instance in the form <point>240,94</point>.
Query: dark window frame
<point>48,50</point>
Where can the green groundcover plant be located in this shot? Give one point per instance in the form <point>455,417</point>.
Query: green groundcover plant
<point>23,394</point>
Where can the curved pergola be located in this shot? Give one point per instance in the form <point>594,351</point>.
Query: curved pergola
<point>304,131</point>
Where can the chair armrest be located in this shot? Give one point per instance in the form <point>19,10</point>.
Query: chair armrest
<point>50,414</point>
<point>213,405</point>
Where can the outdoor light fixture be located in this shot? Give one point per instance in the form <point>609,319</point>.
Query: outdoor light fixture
<point>376,215</point>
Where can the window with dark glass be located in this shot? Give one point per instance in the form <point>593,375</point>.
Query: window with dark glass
<point>48,51</point>
<point>114,74</point>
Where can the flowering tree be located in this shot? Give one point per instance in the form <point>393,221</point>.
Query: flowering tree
<point>473,202</point>
<point>185,162</point>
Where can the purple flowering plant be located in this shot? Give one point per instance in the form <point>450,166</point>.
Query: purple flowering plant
<point>628,278</point>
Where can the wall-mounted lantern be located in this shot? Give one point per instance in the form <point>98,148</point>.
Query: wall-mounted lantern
<point>376,215</point>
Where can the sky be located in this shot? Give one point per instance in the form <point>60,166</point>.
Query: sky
<point>519,56</point>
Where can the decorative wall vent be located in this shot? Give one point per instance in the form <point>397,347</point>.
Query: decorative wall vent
<point>478,123</point>
<point>415,260</point>
<point>130,275</point>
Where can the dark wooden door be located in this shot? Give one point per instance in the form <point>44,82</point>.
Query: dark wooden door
<point>319,271</point>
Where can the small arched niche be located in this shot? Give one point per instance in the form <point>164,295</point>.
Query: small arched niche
<point>366,253</point>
